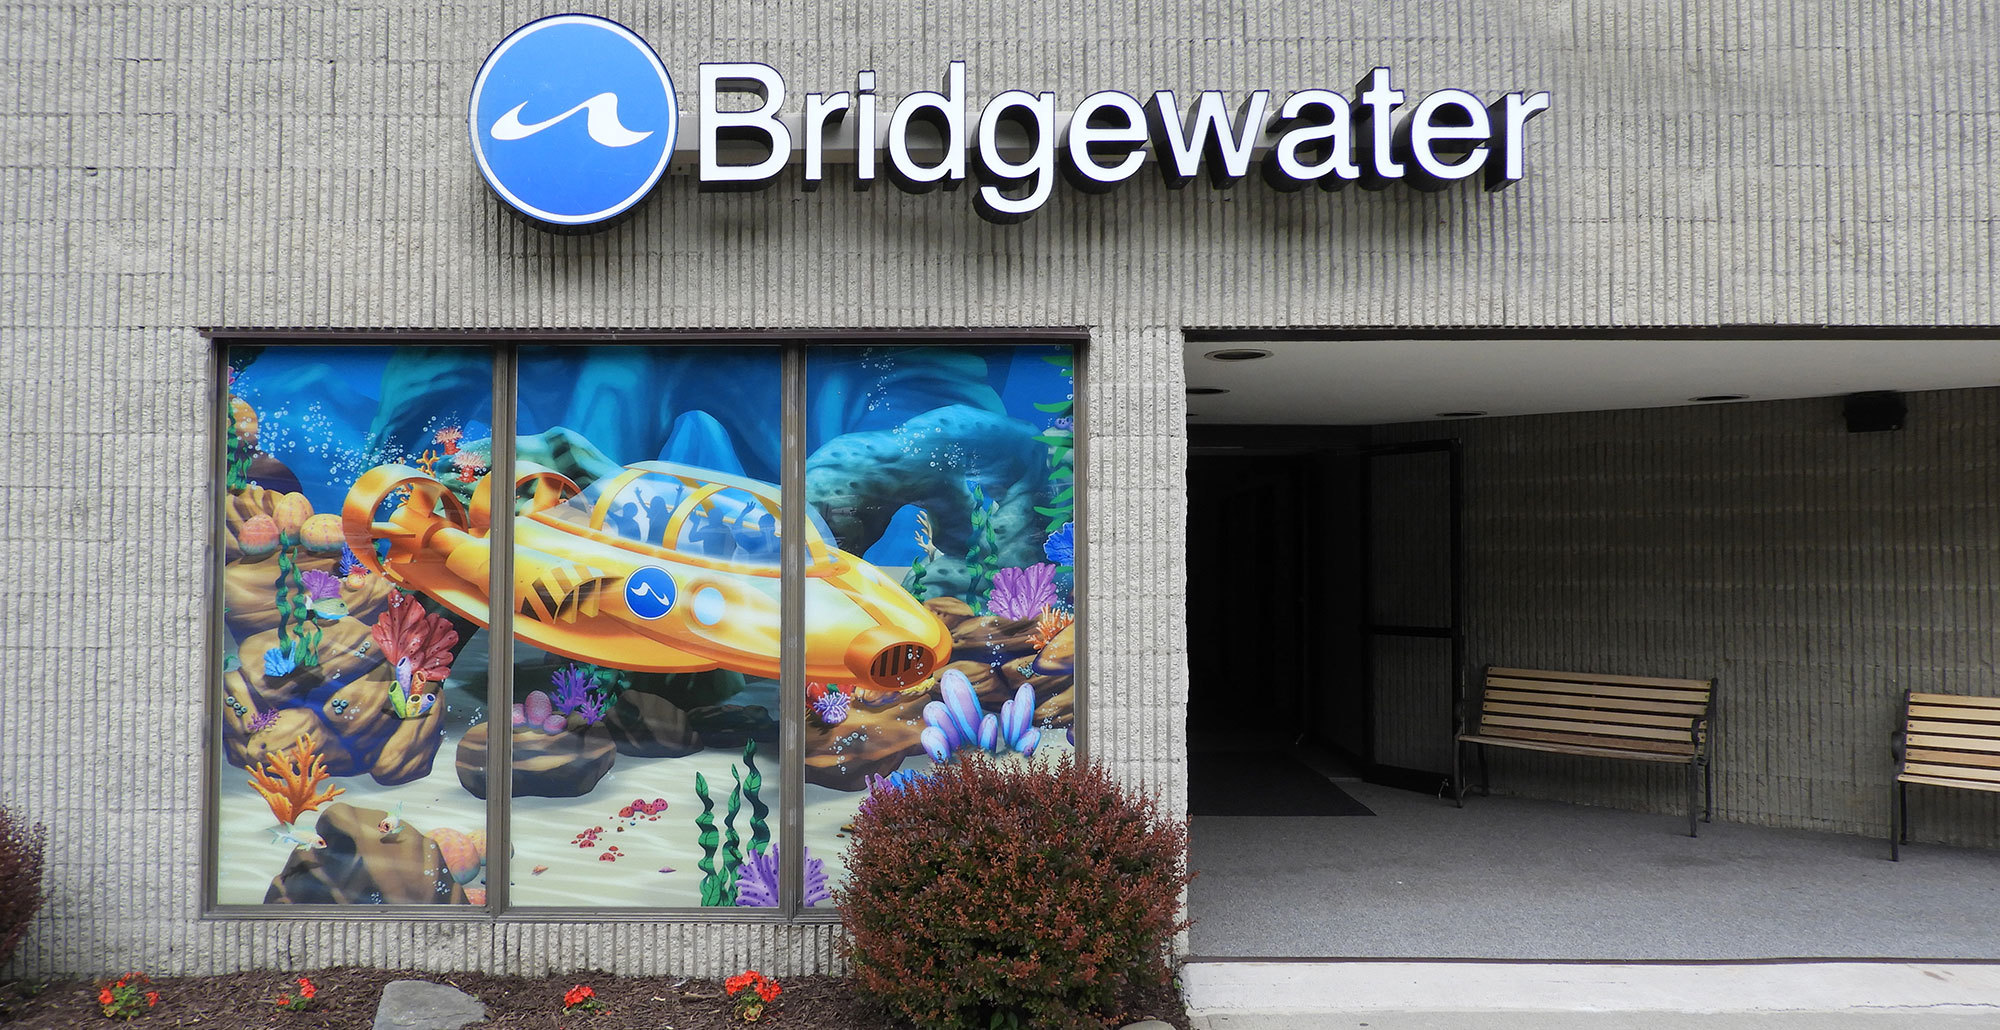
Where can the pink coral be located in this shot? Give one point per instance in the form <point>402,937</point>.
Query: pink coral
<point>407,631</point>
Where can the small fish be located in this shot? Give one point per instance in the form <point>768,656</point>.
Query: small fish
<point>391,823</point>
<point>666,869</point>
<point>301,840</point>
<point>539,870</point>
<point>330,609</point>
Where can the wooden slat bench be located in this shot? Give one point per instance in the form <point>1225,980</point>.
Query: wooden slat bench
<point>1641,718</point>
<point>1945,740</point>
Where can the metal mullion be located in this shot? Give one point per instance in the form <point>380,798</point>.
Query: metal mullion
<point>211,663</point>
<point>791,633</point>
<point>1080,557</point>
<point>500,631</point>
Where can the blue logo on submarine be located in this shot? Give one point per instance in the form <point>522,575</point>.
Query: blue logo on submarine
<point>649,592</point>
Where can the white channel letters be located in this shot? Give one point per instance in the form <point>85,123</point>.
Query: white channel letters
<point>1015,146</point>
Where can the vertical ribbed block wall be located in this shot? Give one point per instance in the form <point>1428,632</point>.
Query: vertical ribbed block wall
<point>165,166</point>
<point>1816,574</point>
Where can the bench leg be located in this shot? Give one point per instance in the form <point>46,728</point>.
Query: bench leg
<point>1898,827</point>
<point>1707,791</point>
<point>1458,771</point>
<point>1694,786</point>
<point>1485,774</point>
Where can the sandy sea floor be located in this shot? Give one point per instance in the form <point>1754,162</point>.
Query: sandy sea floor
<point>658,856</point>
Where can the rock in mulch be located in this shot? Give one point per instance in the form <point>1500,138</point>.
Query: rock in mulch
<point>422,1005</point>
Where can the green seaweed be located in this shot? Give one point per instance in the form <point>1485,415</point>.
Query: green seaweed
<point>732,845</point>
<point>300,643</point>
<point>984,559</point>
<point>714,888</point>
<point>753,782</point>
<point>239,459</point>
<point>1062,453</point>
<point>722,852</point>
<point>611,683</point>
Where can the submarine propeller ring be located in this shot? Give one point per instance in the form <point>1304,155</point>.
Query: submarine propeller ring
<point>414,520</point>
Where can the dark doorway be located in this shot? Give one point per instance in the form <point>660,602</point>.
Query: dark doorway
<point>1322,598</point>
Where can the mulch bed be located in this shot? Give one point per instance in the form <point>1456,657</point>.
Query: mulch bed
<point>348,995</point>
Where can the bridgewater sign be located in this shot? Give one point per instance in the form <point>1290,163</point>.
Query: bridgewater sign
<point>574,121</point>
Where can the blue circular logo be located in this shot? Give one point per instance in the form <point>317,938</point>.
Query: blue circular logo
<point>573,120</point>
<point>649,592</point>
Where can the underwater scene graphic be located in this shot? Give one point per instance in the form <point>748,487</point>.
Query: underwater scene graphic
<point>646,541</point>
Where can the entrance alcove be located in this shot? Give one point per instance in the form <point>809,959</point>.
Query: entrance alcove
<point>1375,515</point>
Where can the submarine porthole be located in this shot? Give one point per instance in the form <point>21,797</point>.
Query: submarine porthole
<point>708,606</point>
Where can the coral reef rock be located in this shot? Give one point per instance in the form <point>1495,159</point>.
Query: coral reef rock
<point>1059,657</point>
<point>731,725</point>
<point>950,610</point>
<point>342,702</point>
<point>858,482</point>
<point>359,866</point>
<point>546,765</point>
<point>647,726</point>
<point>871,741</point>
<point>990,638</point>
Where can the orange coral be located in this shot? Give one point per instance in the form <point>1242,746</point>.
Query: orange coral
<point>294,791</point>
<point>1053,621</point>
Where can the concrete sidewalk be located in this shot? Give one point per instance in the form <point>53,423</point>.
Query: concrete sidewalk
<point>1532,996</point>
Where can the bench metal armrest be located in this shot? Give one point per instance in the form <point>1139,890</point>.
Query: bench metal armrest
<point>1468,712</point>
<point>1699,731</point>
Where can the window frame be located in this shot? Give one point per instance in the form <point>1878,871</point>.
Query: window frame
<point>793,568</point>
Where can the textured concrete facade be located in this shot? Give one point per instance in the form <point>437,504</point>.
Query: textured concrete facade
<point>167,166</point>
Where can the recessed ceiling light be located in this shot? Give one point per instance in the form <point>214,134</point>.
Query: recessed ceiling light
<point>1460,414</point>
<point>1237,354</point>
<point>1205,391</point>
<point>1710,398</point>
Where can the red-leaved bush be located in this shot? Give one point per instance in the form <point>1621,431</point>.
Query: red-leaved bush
<point>20,879</point>
<point>1014,894</point>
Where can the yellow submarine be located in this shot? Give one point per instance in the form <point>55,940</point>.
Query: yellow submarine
<point>659,568</point>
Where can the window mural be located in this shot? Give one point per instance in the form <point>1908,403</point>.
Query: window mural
<point>647,627</point>
<point>946,475</point>
<point>645,559</point>
<point>343,691</point>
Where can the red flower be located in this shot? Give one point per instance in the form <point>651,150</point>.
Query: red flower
<point>284,1001</point>
<point>578,995</point>
<point>152,998</point>
<point>306,989</point>
<point>104,996</point>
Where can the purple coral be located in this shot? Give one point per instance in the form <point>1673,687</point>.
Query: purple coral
<point>956,721</point>
<point>572,688</point>
<point>261,720</point>
<point>757,880</point>
<point>1023,593</point>
<point>1017,721</point>
<point>831,707</point>
<point>591,709</point>
<point>321,585</point>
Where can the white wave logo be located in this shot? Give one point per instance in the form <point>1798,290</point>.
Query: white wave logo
<point>600,120</point>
